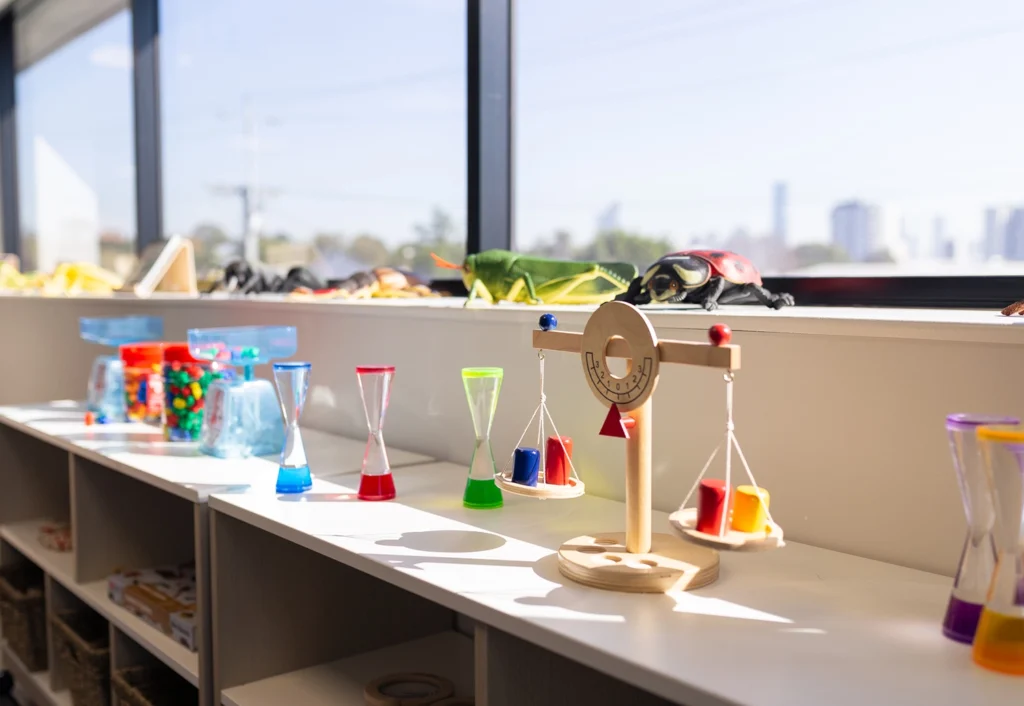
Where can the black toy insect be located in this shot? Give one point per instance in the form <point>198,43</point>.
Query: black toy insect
<point>705,277</point>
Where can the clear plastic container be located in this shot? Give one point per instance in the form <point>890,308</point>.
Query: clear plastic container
<point>143,381</point>
<point>105,397</point>
<point>978,558</point>
<point>243,416</point>
<point>186,382</point>
<point>999,641</point>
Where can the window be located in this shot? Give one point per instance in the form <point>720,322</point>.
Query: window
<point>76,152</point>
<point>323,133</point>
<point>817,137</point>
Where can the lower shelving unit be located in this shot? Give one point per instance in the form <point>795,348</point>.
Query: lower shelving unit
<point>32,687</point>
<point>342,682</point>
<point>59,566</point>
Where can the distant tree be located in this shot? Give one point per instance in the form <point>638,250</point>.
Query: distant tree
<point>439,229</point>
<point>880,256</point>
<point>208,242</point>
<point>817,254</point>
<point>369,250</point>
<point>559,247</point>
<point>328,243</point>
<point>438,236</point>
<point>624,246</point>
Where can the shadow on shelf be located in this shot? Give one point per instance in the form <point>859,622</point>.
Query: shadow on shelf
<point>446,541</point>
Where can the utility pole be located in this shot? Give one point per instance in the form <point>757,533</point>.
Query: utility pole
<point>252,194</point>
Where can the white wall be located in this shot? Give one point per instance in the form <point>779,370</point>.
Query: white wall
<point>842,420</point>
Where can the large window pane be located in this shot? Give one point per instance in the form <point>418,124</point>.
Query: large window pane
<point>333,132</point>
<point>815,136</point>
<point>76,152</point>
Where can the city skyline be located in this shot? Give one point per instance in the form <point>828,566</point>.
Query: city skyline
<point>685,114</point>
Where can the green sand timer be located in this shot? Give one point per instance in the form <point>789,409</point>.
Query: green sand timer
<point>482,388</point>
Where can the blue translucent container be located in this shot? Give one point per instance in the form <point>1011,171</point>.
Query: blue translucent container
<point>105,395</point>
<point>243,416</point>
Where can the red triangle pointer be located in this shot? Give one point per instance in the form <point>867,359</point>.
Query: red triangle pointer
<point>616,425</point>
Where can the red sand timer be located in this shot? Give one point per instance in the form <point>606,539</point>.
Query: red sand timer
<point>376,482</point>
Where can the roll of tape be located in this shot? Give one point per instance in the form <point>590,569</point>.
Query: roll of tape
<point>408,689</point>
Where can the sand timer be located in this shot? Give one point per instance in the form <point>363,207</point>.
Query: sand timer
<point>292,381</point>
<point>978,559</point>
<point>482,388</point>
<point>999,641</point>
<point>376,482</point>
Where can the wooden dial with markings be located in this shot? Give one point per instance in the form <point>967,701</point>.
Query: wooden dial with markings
<point>620,320</point>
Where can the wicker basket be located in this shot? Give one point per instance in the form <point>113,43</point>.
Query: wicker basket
<point>82,642</point>
<point>23,614</point>
<point>153,686</point>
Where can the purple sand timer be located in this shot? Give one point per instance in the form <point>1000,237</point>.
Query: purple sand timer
<point>978,559</point>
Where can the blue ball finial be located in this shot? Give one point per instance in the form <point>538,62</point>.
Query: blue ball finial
<point>548,322</point>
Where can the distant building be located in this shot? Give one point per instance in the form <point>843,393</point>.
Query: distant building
<point>608,221</point>
<point>1013,235</point>
<point>780,206</point>
<point>857,229</point>
<point>993,242</point>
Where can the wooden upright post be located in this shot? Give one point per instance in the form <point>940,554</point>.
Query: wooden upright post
<point>638,481</point>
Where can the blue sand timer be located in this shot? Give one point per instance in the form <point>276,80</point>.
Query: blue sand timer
<point>105,399</point>
<point>292,382</point>
<point>243,417</point>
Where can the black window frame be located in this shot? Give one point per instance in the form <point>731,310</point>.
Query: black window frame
<point>490,188</point>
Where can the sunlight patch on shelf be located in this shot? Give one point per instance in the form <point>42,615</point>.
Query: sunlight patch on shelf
<point>700,605</point>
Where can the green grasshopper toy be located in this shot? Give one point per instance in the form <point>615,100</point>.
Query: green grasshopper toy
<point>501,275</point>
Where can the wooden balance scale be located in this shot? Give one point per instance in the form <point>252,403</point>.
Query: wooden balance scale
<point>637,560</point>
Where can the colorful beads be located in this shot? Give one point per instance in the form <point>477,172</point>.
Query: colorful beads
<point>143,390</point>
<point>185,386</point>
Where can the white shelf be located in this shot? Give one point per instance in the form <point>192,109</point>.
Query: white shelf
<point>341,683</point>
<point>795,616</point>
<point>24,536</point>
<point>33,686</point>
<point>139,451</point>
<point>162,646</point>
<point>60,566</point>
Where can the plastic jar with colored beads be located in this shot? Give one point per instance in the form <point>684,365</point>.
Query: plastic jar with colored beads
<point>143,381</point>
<point>186,381</point>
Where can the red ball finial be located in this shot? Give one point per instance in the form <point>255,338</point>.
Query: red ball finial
<point>720,335</point>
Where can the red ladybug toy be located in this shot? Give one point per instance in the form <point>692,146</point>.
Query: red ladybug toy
<point>705,277</point>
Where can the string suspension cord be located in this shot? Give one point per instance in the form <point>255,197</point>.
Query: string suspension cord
<point>541,411</point>
<point>730,441</point>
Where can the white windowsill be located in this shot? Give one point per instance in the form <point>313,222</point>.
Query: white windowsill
<point>965,325</point>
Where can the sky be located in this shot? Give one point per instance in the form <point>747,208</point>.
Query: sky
<point>351,114</point>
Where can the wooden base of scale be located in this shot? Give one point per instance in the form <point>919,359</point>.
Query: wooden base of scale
<point>673,564</point>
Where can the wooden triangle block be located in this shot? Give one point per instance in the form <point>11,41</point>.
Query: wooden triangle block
<point>615,425</point>
<point>166,266</point>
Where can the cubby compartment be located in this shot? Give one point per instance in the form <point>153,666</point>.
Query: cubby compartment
<point>125,526</point>
<point>26,650</point>
<point>34,484</point>
<point>293,626</point>
<point>513,672</point>
<point>140,679</point>
<point>79,646</point>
